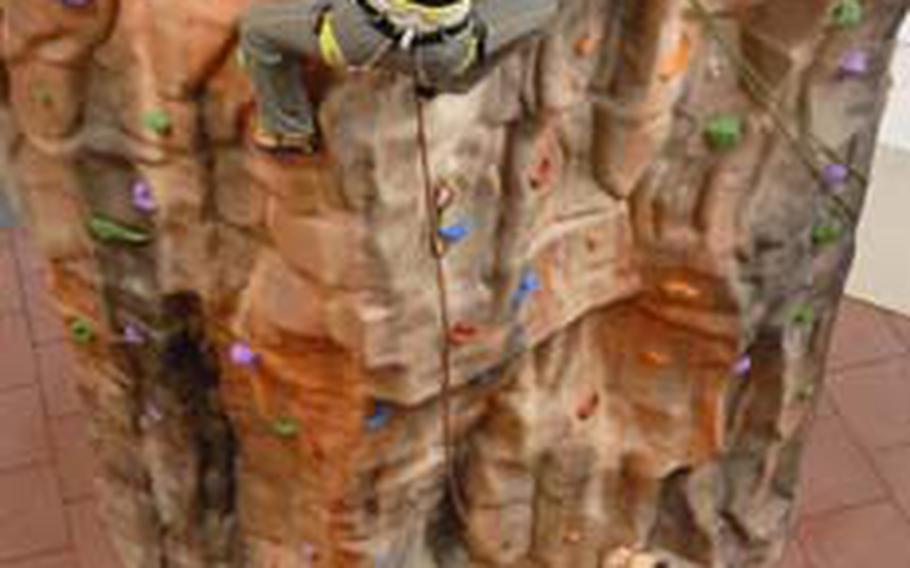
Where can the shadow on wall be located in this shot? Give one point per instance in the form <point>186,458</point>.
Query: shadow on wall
<point>7,218</point>
<point>7,202</point>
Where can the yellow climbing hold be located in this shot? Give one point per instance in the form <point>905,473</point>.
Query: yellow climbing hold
<point>285,427</point>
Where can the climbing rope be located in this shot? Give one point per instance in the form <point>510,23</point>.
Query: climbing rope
<point>806,150</point>
<point>445,348</point>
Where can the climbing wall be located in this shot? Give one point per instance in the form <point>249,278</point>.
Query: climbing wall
<point>639,226</point>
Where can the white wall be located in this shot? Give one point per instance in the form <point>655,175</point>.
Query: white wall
<point>881,273</point>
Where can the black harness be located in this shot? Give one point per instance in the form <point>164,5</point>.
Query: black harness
<point>386,27</point>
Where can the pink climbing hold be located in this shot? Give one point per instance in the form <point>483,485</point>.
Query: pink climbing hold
<point>854,63</point>
<point>153,413</point>
<point>132,335</point>
<point>835,174</point>
<point>143,199</point>
<point>743,366</point>
<point>243,356</point>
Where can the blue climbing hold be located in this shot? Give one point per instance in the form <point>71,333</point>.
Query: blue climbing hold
<point>528,284</point>
<point>454,233</point>
<point>382,412</point>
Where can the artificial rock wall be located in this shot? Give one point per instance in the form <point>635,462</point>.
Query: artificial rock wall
<point>641,269</point>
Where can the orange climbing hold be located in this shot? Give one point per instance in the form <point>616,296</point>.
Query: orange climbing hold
<point>680,289</point>
<point>547,163</point>
<point>655,358</point>
<point>586,45</point>
<point>677,62</point>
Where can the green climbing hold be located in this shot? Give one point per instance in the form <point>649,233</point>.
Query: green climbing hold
<point>42,95</point>
<point>825,234</point>
<point>108,230</point>
<point>804,315</point>
<point>286,427</point>
<point>157,121</point>
<point>806,393</point>
<point>81,331</point>
<point>847,13</point>
<point>724,131</point>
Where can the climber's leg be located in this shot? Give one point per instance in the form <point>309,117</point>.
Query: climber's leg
<point>274,38</point>
<point>499,29</point>
<point>507,24</point>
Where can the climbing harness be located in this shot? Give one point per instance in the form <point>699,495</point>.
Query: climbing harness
<point>409,23</point>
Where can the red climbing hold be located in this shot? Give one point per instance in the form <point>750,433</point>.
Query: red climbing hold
<point>588,406</point>
<point>462,332</point>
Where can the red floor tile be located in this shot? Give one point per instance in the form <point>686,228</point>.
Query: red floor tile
<point>872,536</point>
<point>92,543</point>
<point>57,374</point>
<point>894,465</point>
<point>901,325</point>
<point>793,556</point>
<point>825,407</point>
<point>46,324</point>
<point>32,520</point>
<point>74,459</point>
<point>875,402</point>
<point>26,251</point>
<point>17,363</point>
<point>25,438</point>
<point>835,473</point>
<point>861,320</point>
<point>56,560</point>
<point>10,291</point>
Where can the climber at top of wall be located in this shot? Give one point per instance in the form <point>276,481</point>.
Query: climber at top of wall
<point>444,44</point>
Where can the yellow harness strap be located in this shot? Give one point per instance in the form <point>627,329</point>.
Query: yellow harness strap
<point>328,43</point>
<point>433,16</point>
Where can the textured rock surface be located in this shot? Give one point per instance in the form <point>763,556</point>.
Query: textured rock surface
<point>599,421</point>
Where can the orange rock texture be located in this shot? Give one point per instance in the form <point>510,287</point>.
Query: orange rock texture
<point>654,236</point>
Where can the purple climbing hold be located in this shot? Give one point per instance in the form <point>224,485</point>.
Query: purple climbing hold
<point>143,199</point>
<point>132,335</point>
<point>743,366</point>
<point>76,3</point>
<point>854,63</point>
<point>243,356</point>
<point>153,413</point>
<point>835,174</point>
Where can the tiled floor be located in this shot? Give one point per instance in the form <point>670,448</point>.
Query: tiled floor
<point>855,510</point>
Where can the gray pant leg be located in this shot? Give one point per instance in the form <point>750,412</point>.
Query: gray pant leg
<point>509,22</point>
<point>274,38</point>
